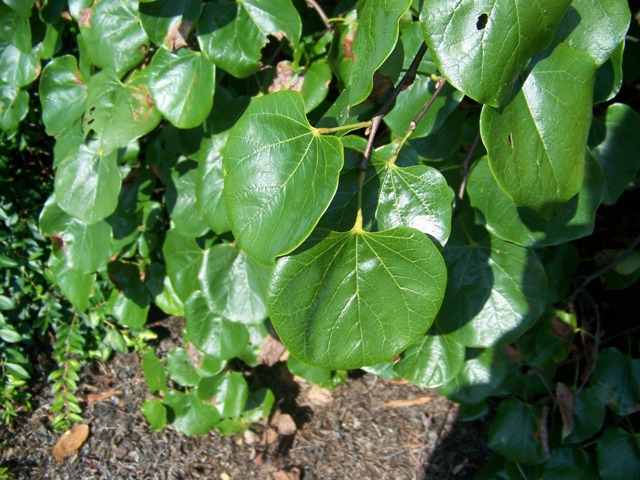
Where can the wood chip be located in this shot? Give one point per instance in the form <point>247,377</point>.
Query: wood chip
<point>70,441</point>
<point>101,397</point>
<point>284,423</point>
<point>408,402</point>
<point>271,349</point>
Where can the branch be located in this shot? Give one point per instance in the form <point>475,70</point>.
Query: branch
<point>465,170</point>
<point>407,80</point>
<point>313,4</point>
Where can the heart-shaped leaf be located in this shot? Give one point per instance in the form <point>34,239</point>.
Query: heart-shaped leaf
<point>14,106</point>
<point>184,259</point>
<point>169,22</point>
<point>63,93</point>
<point>232,34</point>
<point>278,171</point>
<point>76,287</point>
<point>181,199</point>
<point>188,414</point>
<point>618,454</point>
<point>119,112</point>
<point>210,184</point>
<point>536,142</point>
<point>349,299</point>
<point>18,68</point>
<point>482,46</point>
<point>88,183</point>
<point>182,85</point>
<point>376,37</point>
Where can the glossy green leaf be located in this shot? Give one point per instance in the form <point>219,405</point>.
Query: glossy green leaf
<point>154,372</point>
<point>232,394</point>
<point>155,413</point>
<point>589,415</point>
<point>115,35</point>
<point>323,377</point>
<point>345,300</point>
<point>84,248</point>
<point>618,455</point>
<point>129,301</point>
<point>181,369</point>
<point>232,34</point>
<point>432,361</point>
<point>9,335</point>
<point>560,263</point>
<point>411,101</point>
<point>18,68</point>
<point>63,93</point>
<point>514,433</point>
<point>234,285</point>
<point>119,112</point>
<point>417,197</point>
<point>617,377</point>
<point>87,183</point>
<point>14,106</point>
<point>23,7</point>
<point>375,39</point>
<point>181,199</point>
<point>182,85</point>
<point>211,333</point>
<point>14,28</point>
<point>503,286</point>
<point>188,414</point>
<point>315,86</point>
<point>169,22</point>
<point>278,171</point>
<point>210,183</point>
<point>536,142</point>
<point>482,374</point>
<point>258,405</point>
<point>595,27</point>
<point>609,76</point>
<point>184,259</point>
<point>76,287</point>
<point>615,143</point>
<point>482,46</point>
<point>527,227</point>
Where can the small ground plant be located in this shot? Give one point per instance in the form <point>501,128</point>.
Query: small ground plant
<point>387,185</point>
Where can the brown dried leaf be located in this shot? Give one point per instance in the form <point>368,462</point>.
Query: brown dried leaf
<point>293,473</point>
<point>408,402</point>
<point>543,433</point>
<point>176,37</point>
<point>194,355</point>
<point>271,349</point>
<point>70,441</point>
<point>101,397</point>
<point>315,397</point>
<point>566,404</point>
<point>284,423</point>
<point>286,78</point>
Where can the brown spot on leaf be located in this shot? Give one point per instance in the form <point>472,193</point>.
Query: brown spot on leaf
<point>566,404</point>
<point>286,78</point>
<point>347,45</point>
<point>381,83</point>
<point>58,241</point>
<point>84,18</point>
<point>176,37</point>
<point>70,441</point>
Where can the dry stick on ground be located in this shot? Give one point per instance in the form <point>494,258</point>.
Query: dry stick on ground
<point>407,80</point>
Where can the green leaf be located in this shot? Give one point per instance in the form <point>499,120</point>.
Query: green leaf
<point>184,259</point>
<point>536,142</point>
<point>503,286</point>
<point>315,86</point>
<point>232,394</point>
<point>596,27</point>
<point>8,333</point>
<point>278,171</point>
<point>618,455</point>
<point>63,92</point>
<point>482,374</point>
<point>345,300</point>
<point>232,34</point>
<point>84,248</point>
<point>154,372</point>
<point>182,85</point>
<point>570,464</point>
<point>514,433</point>
<point>14,106</point>
<point>210,183</point>
<point>129,301</point>
<point>181,369</point>
<point>234,285</point>
<point>117,112</point>
<point>6,303</point>
<point>169,22</point>
<point>614,142</point>
<point>482,46</point>
<point>18,68</point>
<point>417,197</point>
<point>432,361</point>
<point>181,199</point>
<point>211,333</point>
<point>411,101</point>
<point>76,287</point>
<point>589,415</point>
<point>155,413</point>
<point>14,28</point>
<point>188,414</point>
<point>527,227</point>
<point>375,39</point>
<point>617,377</point>
<point>22,7</point>
<point>87,183</point>
<point>323,377</point>
<point>113,31</point>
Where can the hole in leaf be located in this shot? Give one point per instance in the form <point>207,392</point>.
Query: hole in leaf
<point>482,21</point>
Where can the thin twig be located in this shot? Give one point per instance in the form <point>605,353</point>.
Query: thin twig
<point>465,170</point>
<point>313,4</point>
<point>596,346</point>
<point>407,80</point>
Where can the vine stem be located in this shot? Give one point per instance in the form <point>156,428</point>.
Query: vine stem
<point>316,6</point>
<point>414,123</point>
<point>407,80</point>
<point>465,170</point>
<point>351,126</point>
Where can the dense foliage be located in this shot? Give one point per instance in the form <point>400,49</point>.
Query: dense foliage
<point>387,185</point>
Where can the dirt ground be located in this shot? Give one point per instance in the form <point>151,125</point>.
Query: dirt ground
<point>368,428</point>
